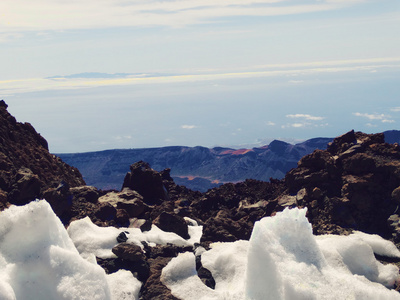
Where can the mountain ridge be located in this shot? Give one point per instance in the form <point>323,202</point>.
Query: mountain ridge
<point>199,168</point>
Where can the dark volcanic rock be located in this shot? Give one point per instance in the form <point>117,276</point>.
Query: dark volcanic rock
<point>172,223</point>
<point>154,289</point>
<point>26,166</point>
<point>129,200</point>
<point>140,268</point>
<point>26,187</point>
<point>89,193</point>
<point>105,212</point>
<point>146,182</point>
<point>223,228</point>
<point>350,185</point>
<point>129,251</point>
<point>60,199</point>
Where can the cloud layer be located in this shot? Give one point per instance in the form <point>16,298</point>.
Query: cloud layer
<point>61,15</point>
<point>9,87</point>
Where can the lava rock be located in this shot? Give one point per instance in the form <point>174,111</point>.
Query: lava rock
<point>129,200</point>
<point>105,212</point>
<point>26,187</point>
<point>147,182</point>
<point>89,193</point>
<point>128,251</point>
<point>172,223</point>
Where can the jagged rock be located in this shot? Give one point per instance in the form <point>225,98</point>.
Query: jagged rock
<point>206,277</point>
<point>129,200</point>
<point>22,149</point>
<point>172,223</point>
<point>352,182</point>
<point>122,238</point>
<point>89,193</point>
<point>140,269</point>
<point>129,252</point>
<point>359,163</point>
<point>154,289</point>
<point>168,250</point>
<point>26,187</point>
<point>147,182</point>
<point>223,228</point>
<point>316,193</point>
<point>287,201</point>
<point>60,199</point>
<point>122,218</point>
<point>342,143</point>
<point>105,212</point>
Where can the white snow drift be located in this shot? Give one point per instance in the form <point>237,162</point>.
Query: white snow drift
<point>282,260</point>
<point>38,260</point>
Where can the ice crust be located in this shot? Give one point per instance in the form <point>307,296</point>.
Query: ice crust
<point>283,260</point>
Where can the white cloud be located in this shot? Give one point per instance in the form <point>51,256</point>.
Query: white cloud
<point>298,125</point>
<point>270,123</point>
<point>395,109</point>
<point>61,15</point>
<point>370,116</point>
<point>189,126</point>
<point>123,137</point>
<point>295,125</point>
<point>305,116</point>
<point>375,117</point>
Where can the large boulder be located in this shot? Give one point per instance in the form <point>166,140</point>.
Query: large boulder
<point>172,223</point>
<point>129,200</point>
<point>147,182</point>
<point>26,187</point>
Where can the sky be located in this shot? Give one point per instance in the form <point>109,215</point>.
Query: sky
<point>94,75</point>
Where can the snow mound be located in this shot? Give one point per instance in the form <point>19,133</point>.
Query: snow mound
<point>38,260</point>
<point>283,260</point>
<point>92,240</point>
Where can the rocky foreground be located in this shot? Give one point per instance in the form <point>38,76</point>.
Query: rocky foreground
<point>353,185</point>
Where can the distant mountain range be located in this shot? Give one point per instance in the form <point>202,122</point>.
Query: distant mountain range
<point>199,168</point>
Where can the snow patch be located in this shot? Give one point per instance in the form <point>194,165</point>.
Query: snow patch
<point>284,260</point>
<point>92,240</point>
<point>38,260</point>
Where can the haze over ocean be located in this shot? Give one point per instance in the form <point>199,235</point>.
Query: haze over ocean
<point>131,74</point>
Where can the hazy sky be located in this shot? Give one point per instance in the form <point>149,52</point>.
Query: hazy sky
<point>101,74</point>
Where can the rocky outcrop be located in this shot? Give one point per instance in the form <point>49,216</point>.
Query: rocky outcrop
<point>148,183</point>
<point>27,168</point>
<point>351,185</point>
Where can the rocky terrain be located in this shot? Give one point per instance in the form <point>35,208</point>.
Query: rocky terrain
<point>27,168</point>
<point>352,185</point>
